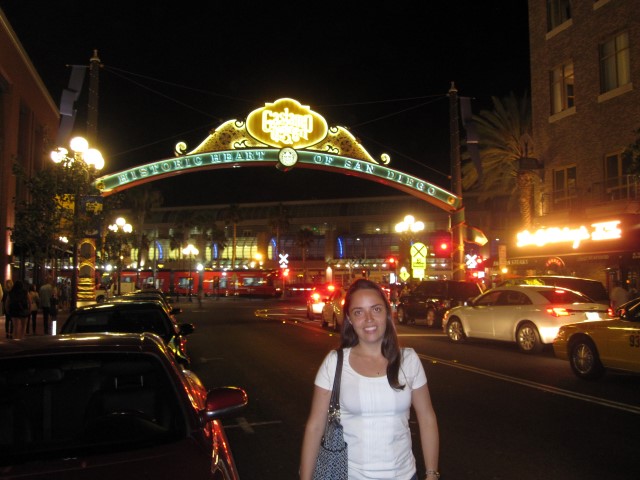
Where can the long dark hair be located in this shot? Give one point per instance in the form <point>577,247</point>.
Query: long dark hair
<point>390,346</point>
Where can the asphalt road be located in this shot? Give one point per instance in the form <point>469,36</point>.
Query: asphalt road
<point>503,415</point>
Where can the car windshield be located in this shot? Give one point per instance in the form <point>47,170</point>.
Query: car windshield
<point>116,320</point>
<point>68,406</point>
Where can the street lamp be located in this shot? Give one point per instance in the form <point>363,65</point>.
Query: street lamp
<point>190,250</point>
<point>80,166</point>
<point>120,228</point>
<point>409,226</point>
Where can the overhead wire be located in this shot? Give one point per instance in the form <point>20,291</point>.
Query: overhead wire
<point>126,75</point>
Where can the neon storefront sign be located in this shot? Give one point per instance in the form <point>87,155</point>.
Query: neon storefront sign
<point>596,232</point>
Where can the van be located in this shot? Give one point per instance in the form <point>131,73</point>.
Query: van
<point>593,289</point>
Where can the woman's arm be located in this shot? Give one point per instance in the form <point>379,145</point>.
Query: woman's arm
<point>428,423</point>
<point>313,431</point>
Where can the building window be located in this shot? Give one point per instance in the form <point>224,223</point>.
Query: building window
<point>618,184</point>
<point>615,66</point>
<point>564,187</point>
<point>558,12</point>
<point>562,88</point>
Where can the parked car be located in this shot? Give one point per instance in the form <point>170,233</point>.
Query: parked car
<point>592,348</point>
<point>331,315</point>
<point>152,295</point>
<point>529,315</point>
<point>428,301</point>
<point>132,316</point>
<point>98,406</point>
<point>594,289</point>
<point>316,299</point>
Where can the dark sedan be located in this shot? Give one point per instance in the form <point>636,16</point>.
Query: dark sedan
<point>109,406</point>
<point>132,316</point>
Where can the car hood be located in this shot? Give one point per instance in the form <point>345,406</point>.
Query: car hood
<point>183,459</point>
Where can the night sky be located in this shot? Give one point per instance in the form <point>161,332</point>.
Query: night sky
<point>173,72</point>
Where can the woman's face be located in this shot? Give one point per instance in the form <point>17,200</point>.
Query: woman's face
<point>368,315</point>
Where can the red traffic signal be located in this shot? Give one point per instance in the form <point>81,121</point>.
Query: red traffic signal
<point>442,244</point>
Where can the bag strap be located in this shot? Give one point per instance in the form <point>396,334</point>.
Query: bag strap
<point>334,404</point>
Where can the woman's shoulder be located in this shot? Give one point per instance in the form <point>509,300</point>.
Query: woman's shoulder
<point>408,352</point>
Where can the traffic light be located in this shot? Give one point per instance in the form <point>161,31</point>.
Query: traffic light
<point>441,243</point>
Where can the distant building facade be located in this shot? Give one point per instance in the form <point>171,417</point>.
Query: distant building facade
<point>29,122</point>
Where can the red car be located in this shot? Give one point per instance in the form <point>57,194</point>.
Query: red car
<point>109,406</point>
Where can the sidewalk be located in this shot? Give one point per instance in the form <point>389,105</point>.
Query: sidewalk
<point>61,318</point>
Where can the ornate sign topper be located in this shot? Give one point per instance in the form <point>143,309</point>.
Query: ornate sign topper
<point>286,123</point>
<point>543,236</point>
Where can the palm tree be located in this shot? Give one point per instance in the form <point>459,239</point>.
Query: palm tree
<point>232,216</point>
<point>279,223</point>
<point>304,239</point>
<point>142,200</point>
<point>506,149</point>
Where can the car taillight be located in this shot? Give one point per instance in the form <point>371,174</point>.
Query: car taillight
<point>558,312</point>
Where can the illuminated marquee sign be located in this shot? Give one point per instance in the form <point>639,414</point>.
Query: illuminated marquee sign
<point>574,236</point>
<point>286,123</point>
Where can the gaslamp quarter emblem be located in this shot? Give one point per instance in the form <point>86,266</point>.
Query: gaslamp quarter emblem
<point>286,123</point>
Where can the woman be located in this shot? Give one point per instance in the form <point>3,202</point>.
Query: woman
<point>19,307</point>
<point>34,298</point>
<point>380,384</point>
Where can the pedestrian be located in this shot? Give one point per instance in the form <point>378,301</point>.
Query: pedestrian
<point>63,296</point>
<point>8,324</point>
<point>46,292</point>
<point>380,383</point>
<point>19,306</point>
<point>216,287</point>
<point>619,295</point>
<point>34,298</point>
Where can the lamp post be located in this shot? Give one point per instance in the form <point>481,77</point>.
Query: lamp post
<point>120,228</point>
<point>190,250</point>
<point>80,165</point>
<point>408,226</point>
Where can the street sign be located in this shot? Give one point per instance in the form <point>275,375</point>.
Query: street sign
<point>418,256</point>
<point>284,260</point>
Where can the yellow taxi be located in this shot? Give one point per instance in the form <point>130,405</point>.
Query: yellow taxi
<point>594,347</point>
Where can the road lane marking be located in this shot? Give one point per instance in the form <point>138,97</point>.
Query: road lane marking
<point>538,386</point>
<point>247,427</point>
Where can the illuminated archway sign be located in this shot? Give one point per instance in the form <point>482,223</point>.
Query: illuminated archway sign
<point>282,134</point>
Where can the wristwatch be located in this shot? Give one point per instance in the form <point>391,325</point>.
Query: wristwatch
<point>435,473</point>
